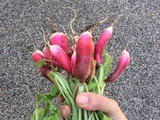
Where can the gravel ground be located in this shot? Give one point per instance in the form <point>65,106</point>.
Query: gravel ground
<point>137,90</point>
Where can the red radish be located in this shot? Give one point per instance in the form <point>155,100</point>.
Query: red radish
<point>60,39</point>
<point>104,37</point>
<point>37,55</point>
<point>44,71</point>
<point>73,62</point>
<point>61,57</point>
<point>84,57</point>
<point>47,55</point>
<point>123,62</point>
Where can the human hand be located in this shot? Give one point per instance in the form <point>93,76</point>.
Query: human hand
<point>91,102</point>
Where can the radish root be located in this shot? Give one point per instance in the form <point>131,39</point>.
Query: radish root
<point>51,25</point>
<point>44,37</point>
<point>71,22</point>
<point>29,35</point>
<point>94,25</point>
<point>119,16</point>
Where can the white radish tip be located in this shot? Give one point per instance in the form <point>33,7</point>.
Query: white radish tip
<point>38,51</point>
<point>125,52</point>
<point>87,33</point>
<point>110,29</point>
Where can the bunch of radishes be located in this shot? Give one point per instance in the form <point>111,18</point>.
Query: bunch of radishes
<point>78,59</point>
<point>82,60</point>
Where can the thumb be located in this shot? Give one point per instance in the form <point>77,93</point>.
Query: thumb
<point>92,102</point>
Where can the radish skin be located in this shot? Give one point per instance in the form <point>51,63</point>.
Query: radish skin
<point>84,57</point>
<point>104,37</point>
<point>47,55</point>
<point>61,57</point>
<point>123,62</point>
<point>37,55</point>
<point>60,39</point>
<point>73,62</point>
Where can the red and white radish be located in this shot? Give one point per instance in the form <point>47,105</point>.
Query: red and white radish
<point>123,62</point>
<point>47,55</point>
<point>61,57</point>
<point>104,37</point>
<point>84,56</point>
<point>37,55</point>
<point>60,39</point>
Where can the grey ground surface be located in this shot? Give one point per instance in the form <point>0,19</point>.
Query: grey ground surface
<point>137,90</point>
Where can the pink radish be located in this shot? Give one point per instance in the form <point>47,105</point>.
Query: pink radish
<point>47,55</point>
<point>61,57</point>
<point>104,37</point>
<point>60,39</point>
<point>84,57</point>
<point>37,55</point>
<point>123,62</point>
<point>73,62</point>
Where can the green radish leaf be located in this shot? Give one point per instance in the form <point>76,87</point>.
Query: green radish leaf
<point>38,114</point>
<point>47,108</point>
<point>92,85</point>
<point>51,75</point>
<point>54,115</point>
<point>53,92</point>
<point>107,62</point>
<point>72,85</point>
<point>48,112</point>
<point>42,97</point>
<point>40,63</point>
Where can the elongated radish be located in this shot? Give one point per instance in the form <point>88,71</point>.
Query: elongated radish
<point>84,57</point>
<point>73,63</point>
<point>37,55</point>
<point>47,55</point>
<point>123,62</point>
<point>60,39</point>
<point>104,37</point>
<point>61,57</point>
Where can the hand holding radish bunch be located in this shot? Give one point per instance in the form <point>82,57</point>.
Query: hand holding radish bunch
<point>86,70</point>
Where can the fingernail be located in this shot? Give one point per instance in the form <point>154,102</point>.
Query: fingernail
<point>82,99</point>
